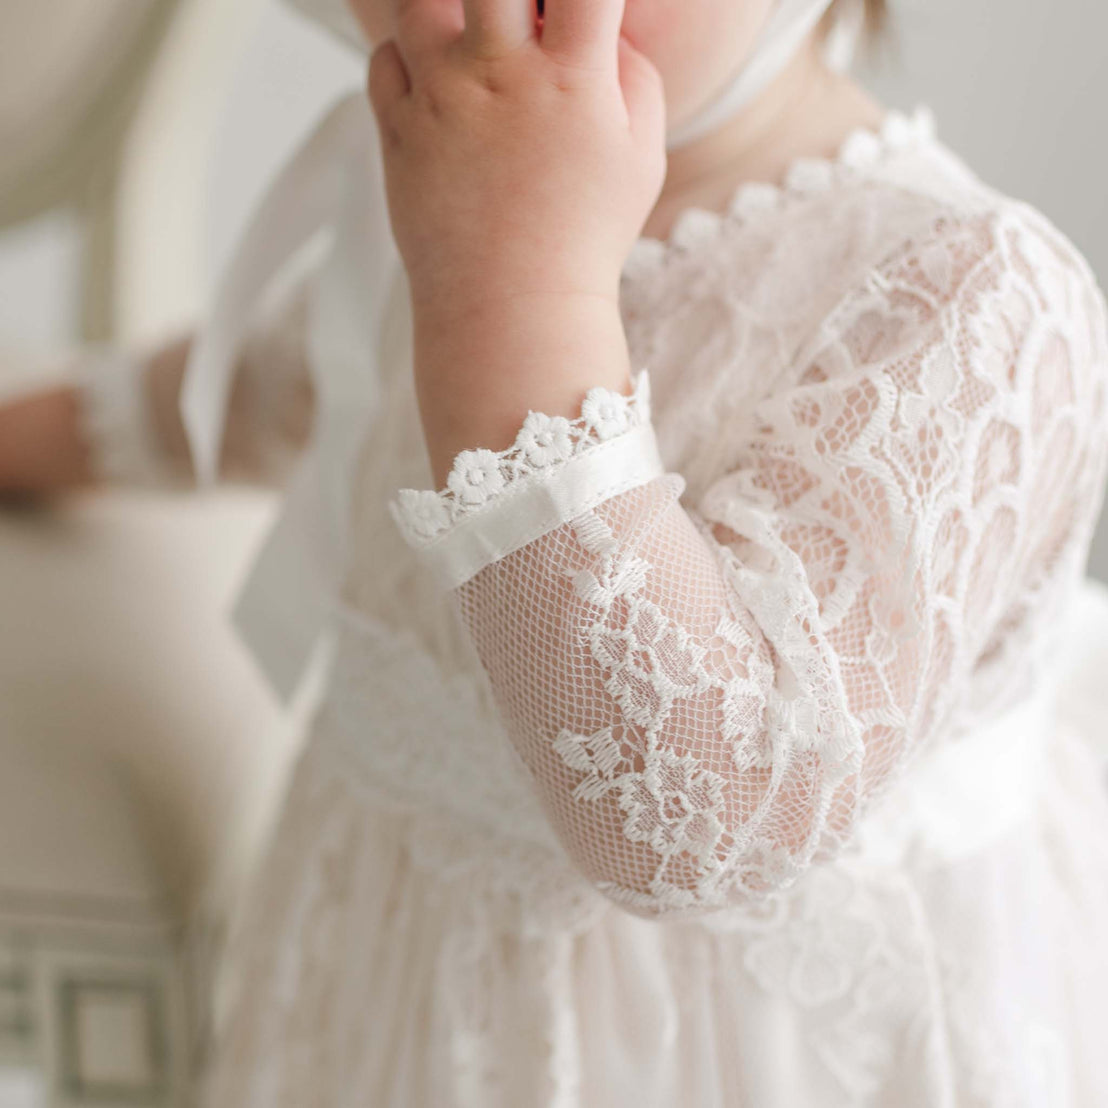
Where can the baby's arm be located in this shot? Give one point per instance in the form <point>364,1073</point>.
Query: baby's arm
<point>115,417</point>
<point>708,697</point>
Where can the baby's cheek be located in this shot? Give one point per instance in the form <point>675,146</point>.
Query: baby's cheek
<point>647,22</point>
<point>674,34</point>
<point>696,45</point>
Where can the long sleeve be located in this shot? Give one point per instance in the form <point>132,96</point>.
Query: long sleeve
<point>129,402</point>
<point>708,696</point>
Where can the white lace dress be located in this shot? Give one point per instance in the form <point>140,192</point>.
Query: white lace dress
<point>736,743</point>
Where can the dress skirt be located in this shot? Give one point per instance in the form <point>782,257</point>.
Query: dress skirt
<point>384,962</point>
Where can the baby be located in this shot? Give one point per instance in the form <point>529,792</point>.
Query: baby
<point>691,733</point>
<point>92,431</point>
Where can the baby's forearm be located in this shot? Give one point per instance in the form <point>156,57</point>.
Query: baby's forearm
<point>48,445</point>
<point>480,368</point>
<point>45,446</point>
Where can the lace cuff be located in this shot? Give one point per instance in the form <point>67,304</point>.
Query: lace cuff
<point>556,470</point>
<point>116,420</point>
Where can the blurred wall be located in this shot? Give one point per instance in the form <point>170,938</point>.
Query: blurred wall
<point>1020,89</point>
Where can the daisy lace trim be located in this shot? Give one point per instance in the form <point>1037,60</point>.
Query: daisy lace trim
<point>861,150</point>
<point>543,446</point>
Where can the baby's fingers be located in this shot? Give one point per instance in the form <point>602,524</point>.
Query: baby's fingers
<point>583,33</point>
<point>644,95</point>
<point>494,27</point>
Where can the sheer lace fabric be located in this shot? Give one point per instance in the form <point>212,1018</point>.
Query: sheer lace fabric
<point>651,805</point>
<point>709,699</point>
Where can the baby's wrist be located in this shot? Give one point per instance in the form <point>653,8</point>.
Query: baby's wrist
<point>479,371</point>
<point>540,290</point>
<point>490,338</point>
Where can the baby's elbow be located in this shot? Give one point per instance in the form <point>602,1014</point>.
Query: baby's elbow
<point>682,841</point>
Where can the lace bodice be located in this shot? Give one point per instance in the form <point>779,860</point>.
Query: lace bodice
<point>684,641</point>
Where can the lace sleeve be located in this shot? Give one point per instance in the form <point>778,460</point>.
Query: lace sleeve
<point>708,696</point>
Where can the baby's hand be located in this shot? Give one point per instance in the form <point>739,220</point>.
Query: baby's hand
<point>522,156</point>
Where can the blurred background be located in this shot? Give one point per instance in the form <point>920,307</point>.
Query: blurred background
<point>141,755</point>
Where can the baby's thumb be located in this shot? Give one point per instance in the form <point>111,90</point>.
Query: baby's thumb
<point>644,95</point>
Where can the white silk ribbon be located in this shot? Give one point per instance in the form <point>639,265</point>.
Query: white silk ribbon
<point>334,184</point>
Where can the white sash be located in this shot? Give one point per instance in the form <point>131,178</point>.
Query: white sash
<point>965,793</point>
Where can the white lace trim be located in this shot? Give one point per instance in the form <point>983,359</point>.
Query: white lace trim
<point>861,150</point>
<point>557,468</point>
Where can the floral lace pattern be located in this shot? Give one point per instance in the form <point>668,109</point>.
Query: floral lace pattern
<point>860,152</point>
<point>709,698</point>
<point>543,445</point>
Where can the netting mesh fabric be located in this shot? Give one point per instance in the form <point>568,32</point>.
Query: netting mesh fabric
<point>708,696</point>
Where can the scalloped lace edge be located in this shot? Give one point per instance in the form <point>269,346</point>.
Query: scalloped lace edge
<point>861,149</point>
<point>543,445</point>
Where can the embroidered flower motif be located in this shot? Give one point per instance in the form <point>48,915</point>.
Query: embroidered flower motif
<point>597,756</point>
<point>753,198</point>
<point>606,412</point>
<point>476,476</point>
<point>651,662</point>
<point>861,148</point>
<point>830,941</point>
<point>675,805</point>
<point>693,226</point>
<point>545,439</point>
<point>424,511</point>
<point>810,175</point>
<point>543,445</point>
